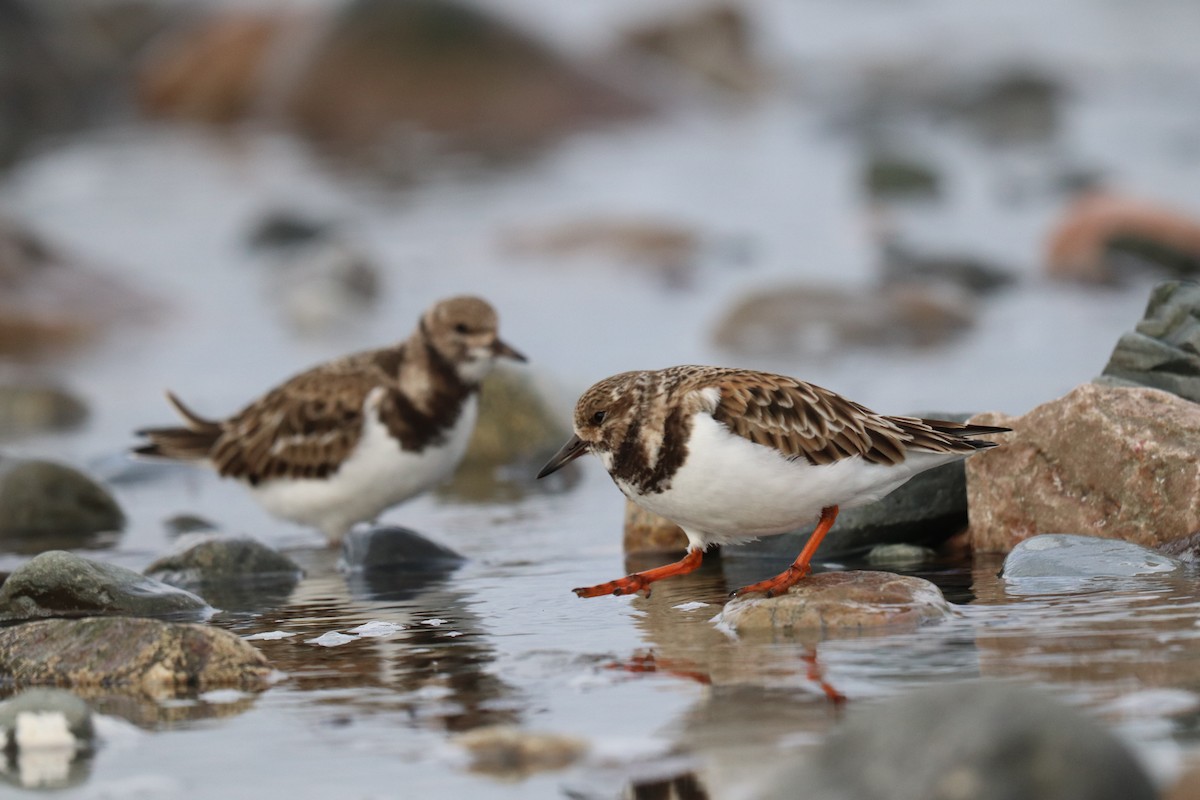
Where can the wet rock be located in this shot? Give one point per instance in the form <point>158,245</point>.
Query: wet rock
<point>390,548</point>
<point>43,733</point>
<point>60,584</point>
<point>510,752</point>
<point>1101,235</point>
<point>206,559</point>
<point>50,301</point>
<point>26,409</point>
<point>714,44</point>
<point>982,741</point>
<point>815,321</point>
<point>1062,555</point>
<point>647,532</point>
<point>1163,352</point>
<point>839,602</point>
<point>890,177</point>
<point>517,431</point>
<point>160,659</point>
<point>394,564</point>
<point>899,555</point>
<point>1113,462</point>
<point>41,498</point>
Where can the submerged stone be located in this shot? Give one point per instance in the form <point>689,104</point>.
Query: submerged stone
<point>981,741</point>
<point>839,603</point>
<point>160,659</point>
<point>1063,555</point>
<point>507,751</point>
<point>58,583</point>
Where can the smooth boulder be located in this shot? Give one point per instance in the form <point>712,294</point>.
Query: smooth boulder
<point>200,559</point>
<point>61,584</point>
<point>157,658</point>
<point>1114,462</point>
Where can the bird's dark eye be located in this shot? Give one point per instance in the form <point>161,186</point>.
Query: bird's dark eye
<point>598,417</point>
<point>460,328</point>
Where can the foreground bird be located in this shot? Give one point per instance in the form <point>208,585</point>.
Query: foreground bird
<point>340,443</point>
<point>730,455</point>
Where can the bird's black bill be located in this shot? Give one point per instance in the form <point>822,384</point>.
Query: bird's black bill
<point>500,348</point>
<point>573,449</point>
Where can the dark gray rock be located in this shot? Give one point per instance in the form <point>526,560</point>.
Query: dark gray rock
<point>1067,555</point>
<point>146,656</point>
<point>395,564</point>
<point>41,497</point>
<point>208,558</point>
<point>390,548</point>
<point>61,584</point>
<point>892,177</point>
<point>927,510</point>
<point>1163,352</point>
<point>971,741</point>
<point>902,264</point>
<point>234,573</point>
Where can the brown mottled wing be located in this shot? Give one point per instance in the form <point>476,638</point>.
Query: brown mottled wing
<point>820,426</point>
<point>302,429</point>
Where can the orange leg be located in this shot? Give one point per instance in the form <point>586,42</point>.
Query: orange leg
<point>800,567</point>
<point>641,580</point>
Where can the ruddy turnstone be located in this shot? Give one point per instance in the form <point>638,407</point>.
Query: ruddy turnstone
<point>731,455</point>
<point>340,443</point>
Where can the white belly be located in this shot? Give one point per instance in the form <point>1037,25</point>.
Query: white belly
<point>730,489</point>
<point>377,475</point>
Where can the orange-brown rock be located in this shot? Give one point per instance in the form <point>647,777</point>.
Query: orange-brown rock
<point>840,602</point>
<point>647,532</point>
<point>212,71</point>
<point>1079,245</point>
<point>1120,463</point>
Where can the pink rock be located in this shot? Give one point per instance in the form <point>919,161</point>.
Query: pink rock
<point>1119,463</point>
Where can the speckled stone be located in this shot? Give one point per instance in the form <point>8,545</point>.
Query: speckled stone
<point>839,603</point>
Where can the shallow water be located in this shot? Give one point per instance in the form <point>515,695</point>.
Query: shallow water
<point>652,685</point>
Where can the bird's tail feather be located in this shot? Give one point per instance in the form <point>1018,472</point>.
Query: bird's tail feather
<point>192,442</point>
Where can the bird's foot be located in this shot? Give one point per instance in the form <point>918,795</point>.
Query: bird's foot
<point>627,585</point>
<point>777,585</point>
